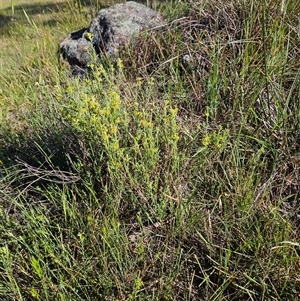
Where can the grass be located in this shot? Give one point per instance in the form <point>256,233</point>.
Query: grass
<point>9,3</point>
<point>171,175</point>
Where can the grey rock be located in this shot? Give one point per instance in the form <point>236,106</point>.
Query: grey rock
<point>76,49</point>
<point>111,29</point>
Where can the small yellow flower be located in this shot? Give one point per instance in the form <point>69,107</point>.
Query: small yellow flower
<point>93,105</point>
<point>113,129</point>
<point>115,100</point>
<point>105,137</point>
<point>115,146</point>
<point>115,103</point>
<point>175,137</point>
<point>89,36</point>
<point>97,75</point>
<point>206,141</point>
<point>70,89</point>
<point>120,64</point>
<point>112,68</point>
<point>94,120</point>
<point>138,113</point>
<point>138,283</point>
<point>82,111</point>
<point>81,237</point>
<point>173,111</point>
<point>146,124</point>
<point>139,81</point>
<point>104,112</point>
<point>75,122</point>
<point>101,70</point>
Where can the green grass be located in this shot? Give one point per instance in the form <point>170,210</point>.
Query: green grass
<point>155,179</point>
<point>9,3</point>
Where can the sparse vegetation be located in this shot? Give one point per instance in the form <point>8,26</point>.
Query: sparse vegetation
<point>172,175</point>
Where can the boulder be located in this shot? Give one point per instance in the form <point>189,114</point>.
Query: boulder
<point>111,29</point>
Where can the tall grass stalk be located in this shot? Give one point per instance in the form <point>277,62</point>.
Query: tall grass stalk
<point>12,8</point>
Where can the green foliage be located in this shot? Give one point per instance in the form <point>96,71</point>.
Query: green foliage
<point>151,178</point>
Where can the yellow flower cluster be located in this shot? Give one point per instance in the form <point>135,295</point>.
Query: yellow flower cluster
<point>138,114</point>
<point>206,141</point>
<point>146,124</point>
<point>175,137</point>
<point>173,111</point>
<point>88,116</point>
<point>115,101</point>
<point>217,138</point>
<point>171,117</point>
<point>120,64</point>
<point>99,72</point>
